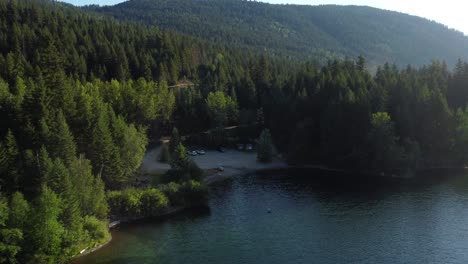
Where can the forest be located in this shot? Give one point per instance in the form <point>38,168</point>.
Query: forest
<point>82,96</point>
<point>318,33</point>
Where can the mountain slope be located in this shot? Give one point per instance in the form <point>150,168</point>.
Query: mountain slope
<point>317,32</point>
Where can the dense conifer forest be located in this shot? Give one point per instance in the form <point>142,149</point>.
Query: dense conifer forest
<point>82,96</point>
<point>318,33</point>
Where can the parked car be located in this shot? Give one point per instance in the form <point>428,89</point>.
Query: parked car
<point>192,153</point>
<point>201,152</point>
<point>222,150</point>
<point>249,147</point>
<point>240,146</point>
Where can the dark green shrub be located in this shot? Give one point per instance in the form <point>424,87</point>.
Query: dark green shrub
<point>265,147</point>
<point>152,202</point>
<point>171,190</point>
<point>95,228</point>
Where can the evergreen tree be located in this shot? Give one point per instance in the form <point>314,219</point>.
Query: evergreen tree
<point>265,147</point>
<point>175,140</point>
<point>19,211</point>
<point>132,149</point>
<point>61,140</point>
<point>105,156</point>
<point>385,151</point>
<point>89,189</point>
<point>221,108</point>
<point>9,161</point>
<point>10,238</point>
<point>44,235</point>
<point>179,158</point>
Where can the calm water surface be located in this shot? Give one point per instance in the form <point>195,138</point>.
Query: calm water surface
<point>310,222</point>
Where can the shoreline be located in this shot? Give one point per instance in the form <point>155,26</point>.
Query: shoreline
<point>231,172</point>
<point>397,174</point>
<point>117,223</point>
<point>166,213</point>
<point>90,250</point>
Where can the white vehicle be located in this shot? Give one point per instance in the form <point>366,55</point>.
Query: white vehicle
<point>249,147</point>
<point>201,152</point>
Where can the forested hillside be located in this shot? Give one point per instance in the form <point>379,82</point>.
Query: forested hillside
<point>81,96</point>
<point>311,32</point>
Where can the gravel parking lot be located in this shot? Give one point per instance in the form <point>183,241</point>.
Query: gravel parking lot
<point>234,162</point>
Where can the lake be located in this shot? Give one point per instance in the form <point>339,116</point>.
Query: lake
<point>311,221</point>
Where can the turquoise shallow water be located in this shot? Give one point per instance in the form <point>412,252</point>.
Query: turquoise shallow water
<point>310,222</point>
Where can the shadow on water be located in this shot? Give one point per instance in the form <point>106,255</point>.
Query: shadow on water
<point>349,185</point>
<point>129,260</point>
<point>342,180</point>
<point>189,213</point>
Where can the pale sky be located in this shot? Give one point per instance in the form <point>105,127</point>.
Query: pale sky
<point>452,13</point>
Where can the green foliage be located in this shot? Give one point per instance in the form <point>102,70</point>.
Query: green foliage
<point>19,211</point>
<point>189,193</point>
<point>175,140</point>
<point>10,238</point>
<point>179,158</point>
<point>61,140</point>
<point>182,167</point>
<point>457,94</point>
<point>9,155</point>
<point>134,203</point>
<point>105,153</point>
<point>3,211</point>
<point>461,135</point>
<point>124,203</point>
<point>171,190</point>
<point>79,93</point>
<point>166,102</point>
<point>132,147</point>
<point>91,198</point>
<point>95,229</point>
<point>153,201</point>
<point>221,108</point>
<point>265,147</point>
<point>385,151</point>
<point>45,233</point>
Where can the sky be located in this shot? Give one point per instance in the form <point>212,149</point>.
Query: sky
<point>449,12</point>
